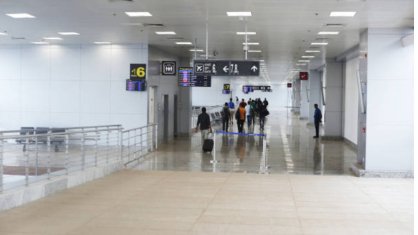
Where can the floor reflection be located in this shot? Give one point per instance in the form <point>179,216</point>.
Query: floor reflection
<point>290,148</point>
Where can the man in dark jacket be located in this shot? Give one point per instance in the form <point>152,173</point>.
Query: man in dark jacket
<point>317,120</point>
<point>225,117</point>
<point>203,120</point>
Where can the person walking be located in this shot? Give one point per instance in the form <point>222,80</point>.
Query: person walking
<point>231,106</point>
<point>240,116</point>
<point>317,120</point>
<point>203,121</point>
<point>248,113</point>
<point>263,113</point>
<point>225,117</point>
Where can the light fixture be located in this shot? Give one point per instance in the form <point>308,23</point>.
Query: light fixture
<point>299,64</point>
<point>138,14</point>
<point>254,51</point>
<point>3,34</point>
<point>251,43</point>
<point>239,13</point>
<point>328,33</point>
<point>308,56</point>
<point>102,43</point>
<point>40,43</point>
<point>246,33</point>
<point>52,38</point>
<point>196,50</point>
<point>312,51</point>
<point>20,15</point>
<point>165,33</point>
<point>183,43</point>
<point>342,13</point>
<point>319,43</point>
<point>303,61</point>
<point>68,33</point>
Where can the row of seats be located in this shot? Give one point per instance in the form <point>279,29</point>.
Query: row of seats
<point>56,140</point>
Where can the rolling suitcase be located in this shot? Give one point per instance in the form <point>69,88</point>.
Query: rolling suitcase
<point>208,144</point>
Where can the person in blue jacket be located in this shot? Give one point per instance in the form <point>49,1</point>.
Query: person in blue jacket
<point>317,120</point>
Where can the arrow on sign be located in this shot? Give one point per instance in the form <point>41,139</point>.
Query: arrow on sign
<point>254,68</point>
<point>226,69</point>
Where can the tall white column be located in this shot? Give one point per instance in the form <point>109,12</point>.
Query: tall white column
<point>333,99</point>
<point>304,102</point>
<point>390,94</point>
<point>315,96</point>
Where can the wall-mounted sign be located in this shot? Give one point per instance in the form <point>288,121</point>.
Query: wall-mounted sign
<point>135,85</point>
<point>227,87</point>
<point>187,79</point>
<point>138,72</point>
<point>289,85</point>
<point>227,67</point>
<point>303,75</point>
<point>168,68</point>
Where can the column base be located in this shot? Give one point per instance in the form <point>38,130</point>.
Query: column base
<point>359,171</point>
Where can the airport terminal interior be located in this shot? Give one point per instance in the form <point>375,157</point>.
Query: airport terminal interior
<point>207,117</point>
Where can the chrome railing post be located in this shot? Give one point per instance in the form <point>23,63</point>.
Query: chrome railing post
<point>1,162</point>
<point>119,143</point>
<point>83,151</point>
<point>141,139</point>
<point>129,146</point>
<point>95,148</point>
<point>67,159</point>
<point>26,154</point>
<point>36,156</point>
<point>107,145</point>
<point>49,156</point>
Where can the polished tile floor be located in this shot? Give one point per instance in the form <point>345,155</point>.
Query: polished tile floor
<point>308,190</point>
<point>290,149</point>
<point>176,202</point>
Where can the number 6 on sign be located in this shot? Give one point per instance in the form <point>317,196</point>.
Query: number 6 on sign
<point>138,71</point>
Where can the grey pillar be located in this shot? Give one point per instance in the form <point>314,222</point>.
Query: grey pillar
<point>315,96</point>
<point>333,96</point>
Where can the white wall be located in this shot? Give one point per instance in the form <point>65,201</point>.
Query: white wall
<point>390,94</point>
<point>207,96</point>
<point>70,85</point>
<point>351,107</point>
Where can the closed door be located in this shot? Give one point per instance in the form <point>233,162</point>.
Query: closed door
<point>165,115</point>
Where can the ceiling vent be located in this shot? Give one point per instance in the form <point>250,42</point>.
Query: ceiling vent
<point>334,25</point>
<point>18,38</point>
<point>152,25</point>
<point>175,38</point>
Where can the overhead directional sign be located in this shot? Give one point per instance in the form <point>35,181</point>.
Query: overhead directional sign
<point>227,67</point>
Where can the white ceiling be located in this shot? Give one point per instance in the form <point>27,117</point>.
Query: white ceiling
<point>285,28</point>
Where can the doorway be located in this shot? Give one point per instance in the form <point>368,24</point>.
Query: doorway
<point>165,115</point>
<point>175,130</point>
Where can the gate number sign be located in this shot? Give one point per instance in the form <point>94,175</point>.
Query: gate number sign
<point>138,72</point>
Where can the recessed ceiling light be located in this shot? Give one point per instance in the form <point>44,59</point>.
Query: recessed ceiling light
<point>312,51</point>
<point>300,64</point>
<point>303,61</point>
<point>68,33</point>
<point>138,14</point>
<point>3,34</point>
<point>334,25</point>
<point>183,43</point>
<point>342,13</point>
<point>246,33</point>
<point>52,38</point>
<point>251,43</point>
<point>196,50</point>
<point>102,43</point>
<point>239,13</point>
<point>308,56</point>
<point>328,33</point>
<point>40,43</point>
<point>20,15</point>
<point>165,33</point>
<point>254,51</point>
<point>319,43</point>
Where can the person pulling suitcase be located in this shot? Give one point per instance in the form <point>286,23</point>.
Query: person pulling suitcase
<point>203,123</point>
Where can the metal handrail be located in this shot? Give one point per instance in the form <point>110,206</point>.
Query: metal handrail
<point>81,148</point>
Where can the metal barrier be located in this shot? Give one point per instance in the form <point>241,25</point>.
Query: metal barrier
<point>27,157</point>
<point>137,142</point>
